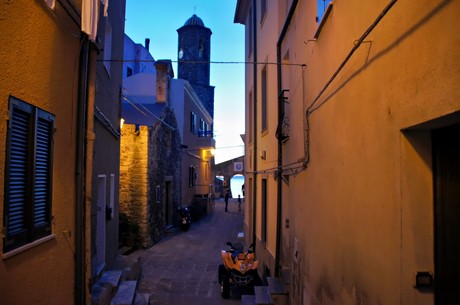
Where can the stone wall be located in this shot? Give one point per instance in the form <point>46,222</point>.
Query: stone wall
<point>134,186</point>
<point>150,177</point>
<point>164,172</point>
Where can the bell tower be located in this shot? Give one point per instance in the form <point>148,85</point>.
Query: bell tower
<point>194,54</point>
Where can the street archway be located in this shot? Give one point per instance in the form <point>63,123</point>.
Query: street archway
<point>223,173</point>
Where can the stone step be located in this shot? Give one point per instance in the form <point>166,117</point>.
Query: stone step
<point>277,291</point>
<point>262,295</point>
<point>125,293</point>
<point>101,294</point>
<point>247,299</point>
<point>111,277</point>
<point>142,299</point>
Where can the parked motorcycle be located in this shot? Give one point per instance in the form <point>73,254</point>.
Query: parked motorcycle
<point>238,273</point>
<point>185,218</point>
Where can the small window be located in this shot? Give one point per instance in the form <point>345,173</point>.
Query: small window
<point>321,9</point>
<point>192,176</point>
<point>158,194</point>
<point>28,175</point>
<point>264,98</point>
<point>264,210</point>
<point>202,128</point>
<point>192,122</point>
<point>208,131</point>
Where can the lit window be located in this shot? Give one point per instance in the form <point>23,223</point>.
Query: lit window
<point>28,175</point>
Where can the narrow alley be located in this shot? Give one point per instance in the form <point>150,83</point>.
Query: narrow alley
<point>182,268</point>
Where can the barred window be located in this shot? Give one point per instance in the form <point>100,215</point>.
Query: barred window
<point>28,174</point>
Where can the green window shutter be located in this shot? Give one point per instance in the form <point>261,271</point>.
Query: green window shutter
<point>42,179</point>
<point>17,176</point>
<point>28,175</point>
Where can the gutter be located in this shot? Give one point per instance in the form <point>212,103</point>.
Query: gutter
<point>254,120</point>
<point>80,253</point>
<point>279,136</point>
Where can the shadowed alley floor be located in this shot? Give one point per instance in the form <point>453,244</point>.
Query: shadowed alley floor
<point>182,268</point>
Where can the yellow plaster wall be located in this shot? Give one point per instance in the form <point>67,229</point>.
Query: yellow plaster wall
<point>40,53</point>
<point>362,211</point>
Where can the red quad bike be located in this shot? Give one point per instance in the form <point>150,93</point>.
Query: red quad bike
<point>238,273</point>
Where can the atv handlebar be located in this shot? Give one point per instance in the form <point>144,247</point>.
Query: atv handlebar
<point>239,247</point>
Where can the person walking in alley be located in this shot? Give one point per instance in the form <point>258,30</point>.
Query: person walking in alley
<point>227,195</point>
<point>239,203</point>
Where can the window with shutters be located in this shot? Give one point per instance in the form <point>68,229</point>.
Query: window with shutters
<point>28,175</point>
<point>192,122</point>
<point>264,99</point>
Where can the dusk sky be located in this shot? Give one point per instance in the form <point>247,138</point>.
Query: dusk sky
<point>159,21</point>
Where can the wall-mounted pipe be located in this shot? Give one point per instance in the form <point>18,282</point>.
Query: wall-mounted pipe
<point>279,136</point>
<point>80,241</point>
<point>254,121</point>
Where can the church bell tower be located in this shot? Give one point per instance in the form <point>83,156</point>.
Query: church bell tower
<point>194,53</point>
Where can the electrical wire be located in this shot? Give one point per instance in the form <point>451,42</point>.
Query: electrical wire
<point>357,44</point>
<point>355,47</point>
<point>206,62</point>
<point>150,114</point>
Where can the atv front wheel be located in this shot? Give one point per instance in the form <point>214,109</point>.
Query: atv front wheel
<point>221,272</point>
<point>225,288</point>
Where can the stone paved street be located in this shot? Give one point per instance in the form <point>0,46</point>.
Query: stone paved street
<point>182,268</point>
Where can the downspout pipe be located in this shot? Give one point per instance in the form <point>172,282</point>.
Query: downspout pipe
<point>279,135</point>
<point>254,121</point>
<point>80,223</point>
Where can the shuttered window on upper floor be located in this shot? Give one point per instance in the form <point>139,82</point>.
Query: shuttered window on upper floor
<point>28,175</point>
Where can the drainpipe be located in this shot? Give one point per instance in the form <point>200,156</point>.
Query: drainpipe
<point>254,106</point>
<point>83,169</point>
<point>287,22</point>
<point>80,224</point>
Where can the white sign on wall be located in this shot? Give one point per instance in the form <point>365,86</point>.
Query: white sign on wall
<point>238,166</point>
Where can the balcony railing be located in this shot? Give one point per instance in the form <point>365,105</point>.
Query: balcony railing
<point>205,134</point>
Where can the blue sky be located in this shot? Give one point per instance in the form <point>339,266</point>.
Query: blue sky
<point>159,21</point>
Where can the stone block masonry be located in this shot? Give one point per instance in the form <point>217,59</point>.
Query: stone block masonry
<point>134,186</point>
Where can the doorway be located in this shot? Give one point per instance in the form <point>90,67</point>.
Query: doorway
<point>100,222</point>
<point>446,162</point>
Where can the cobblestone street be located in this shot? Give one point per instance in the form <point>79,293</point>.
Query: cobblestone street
<point>182,268</point>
